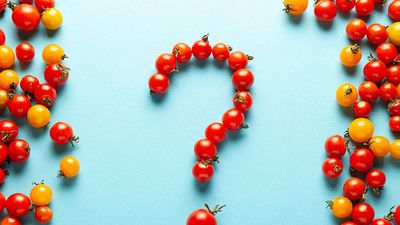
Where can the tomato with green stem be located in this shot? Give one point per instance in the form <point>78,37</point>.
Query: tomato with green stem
<point>182,52</point>
<point>386,52</point>
<point>205,149</point>
<point>354,188</point>
<point>388,92</point>
<point>56,74</point>
<point>9,80</point>
<point>166,64</point>
<point>159,83</point>
<point>350,55</point>
<point>204,216</point>
<point>62,133</point>
<point>45,94</point>
<point>203,171</point>
<point>295,7</point>
<point>346,95</point>
<point>341,207</point>
<point>41,194</point>
<point>53,54</point>
<point>332,167</point>
<point>238,60</point>
<point>8,130</point>
<point>201,49</point>
<point>29,84</point>
<point>368,91</point>
<point>52,18</point>
<point>243,100</point>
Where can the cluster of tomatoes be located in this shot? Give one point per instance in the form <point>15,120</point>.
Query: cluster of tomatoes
<point>204,216</point>
<point>233,119</point>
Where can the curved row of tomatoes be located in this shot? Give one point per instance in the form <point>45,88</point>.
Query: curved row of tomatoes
<point>242,79</point>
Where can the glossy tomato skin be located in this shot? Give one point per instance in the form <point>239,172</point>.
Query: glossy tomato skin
<point>3,4</point>
<point>41,5</point>
<point>364,7</point>
<point>215,132</point>
<point>10,220</point>
<point>182,52</point>
<point>363,214</point>
<point>43,214</point>
<point>396,215</point>
<point>386,52</point>
<point>325,10</point>
<point>362,109</point>
<point>332,167</point>
<point>202,49</point>
<point>393,74</point>
<point>2,34</point>
<point>201,217</point>
<point>394,10</point>
<point>345,5</point>
<point>203,172</point>
<point>242,79</point>
<point>377,33</point>
<point>368,91</point>
<point>166,63</point>
<point>394,108</point>
<point>19,151</point>
<point>394,123</point>
<point>243,100</point>
<point>45,94</point>
<point>346,95</point>
<point>29,84</point>
<point>205,149</point>
<point>3,153</point>
<point>335,146</point>
<point>376,178</point>
<point>2,202</point>
<point>159,83</point>
<point>220,52</point>
<point>26,17</point>
<point>3,174</point>
<point>18,205</point>
<point>237,60</point>
<point>362,159</point>
<point>348,223</point>
<point>25,52</point>
<point>62,133</point>
<point>354,188</point>
<point>375,71</point>
<point>56,74</point>
<point>8,130</point>
<point>19,105</point>
<point>356,29</point>
<point>388,92</point>
<point>380,221</point>
<point>233,119</point>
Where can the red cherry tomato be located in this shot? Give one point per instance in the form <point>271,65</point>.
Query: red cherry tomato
<point>3,174</point>
<point>8,130</point>
<point>233,119</point>
<point>388,92</point>
<point>363,214</point>
<point>203,217</point>
<point>41,5</point>
<point>394,10</point>
<point>243,100</point>
<point>364,7</point>
<point>345,5</point>
<point>3,4</point>
<point>396,215</point>
<point>362,160</point>
<point>376,178</point>
<point>332,167</point>
<point>380,221</point>
<point>25,52</point>
<point>166,63</point>
<point>325,10</point>
<point>356,29</point>
<point>2,34</point>
<point>26,17</point>
<point>205,149</point>
<point>159,83</point>
<point>56,74</point>
<point>394,123</point>
<point>182,52</point>
<point>216,132</point>
<point>377,33</point>
<point>375,70</point>
<point>362,109</point>
<point>203,172</point>
<point>348,223</point>
<point>29,84</point>
<point>335,146</point>
<point>221,51</point>
<point>202,49</point>
<point>354,188</point>
<point>62,133</point>
<point>43,214</point>
<point>242,79</point>
<point>45,94</point>
<point>394,108</point>
<point>19,105</point>
<point>368,91</point>
<point>386,52</point>
<point>18,205</point>
<point>393,74</point>
<point>238,60</point>
<point>3,153</point>
<point>18,151</point>
<point>2,202</point>
<point>10,220</point>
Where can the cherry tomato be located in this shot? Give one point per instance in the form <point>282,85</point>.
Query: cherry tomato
<point>166,63</point>
<point>238,60</point>
<point>335,146</point>
<point>356,29</point>
<point>69,167</point>
<point>4,99</point>
<point>159,83</point>
<point>243,100</point>
<point>56,74</point>
<point>388,92</point>
<point>341,207</point>
<point>364,7</point>
<point>10,220</point>
<point>348,223</point>
<point>233,119</point>
<point>361,160</point>
<point>18,205</point>
<point>346,95</point>
<point>19,151</point>
<point>45,94</point>
<point>2,202</point>
<point>3,174</point>
<point>332,167</point>
<point>325,10</point>
<point>38,116</point>
<point>3,156</point>
<point>205,149</point>
<point>9,80</point>
<point>379,145</point>
<point>221,51</point>
<point>394,33</point>
<point>393,74</point>
<point>7,57</point>
<point>202,49</point>
<point>41,194</point>
<point>216,132</point>
<point>375,70</point>
<point>394,10</point>
<point>394,108</point>
<point>354,188</point>
<point>295,7</point>
<point>43,214</point>
<point>377,34</point>
<point>25,52</point>
<point>376,179</point>
<point>394,123</point>
<point>2,34</point>
<point>395,149</point>
<point>182,52</point>
<point>203,172</point>
<point>19,105</point>
<point>362,109</point>
<point>386,52</point>
<point>242,79</point>
<point>204,216</point>
<point>396,215</point>
<point>8,130</point>
<point>368,91</point>
<point>363,214</point>
<point>26,17</point>
<point>29,84</point>
<point>53,54</point>
<point>350,55</point>
<point>345,5</point>
<point>62,133</point>
<point>380,221</point>
<point>52,18</point>
<point>42,5</point>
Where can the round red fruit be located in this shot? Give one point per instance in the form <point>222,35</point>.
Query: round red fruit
<point>332,167</point>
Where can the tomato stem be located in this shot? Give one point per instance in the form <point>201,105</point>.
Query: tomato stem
<point>355,48</point>
<point>12,5</point>
<point>60,174</point>
<point>205,37</point>
<point>287,8</point>
<point>390,216</point>
<point>74,139</point>
<point>329,204</point>
<point>217,209</point>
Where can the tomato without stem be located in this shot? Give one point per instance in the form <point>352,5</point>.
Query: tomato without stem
<point>379,145</point>
<point>345,5</point>
<point>388,92</point>
<point>362,109</point>
<point>221,51</point>
<point>182,52</point>
<point>45,94</point>
<point>233,119</point>
<point>396,215</point>
<point>375,70</point>
<point>368,91</point>
<point>386,52</point>
<point>203,172</point>
<point>335,146</point>
<point>38,116</point>
<point>242,79</point>
<point>159,83</point>
<point>394,10</point>
<point>7,57</point>
<point>43,214</point>
<point>3,153</point>
<point>380,221</point>
<point>10,220</point>
<point>215,132</point>
<point>56,74</point>
<point>362,160</point>
<point>394,123</point>
<point>29,84</point>
<point>2,202</point>
<point>205,149</point>
<point>2,35</point>
<point>238,60</point>
<point>393,74</point>
<point>363,214</point>
<point>364,7</point>
<point>18,205</point>
<point>25,52</point>
<point>354,188</point>
<point>377,33</point>
<point>356,29</point>
<point>394,108</point>
<point>394,33</point>
<point>3,174</point>
<point>26,17</point>
<point>4,99</point>
<point>325,10</point>
<point>19,105</point>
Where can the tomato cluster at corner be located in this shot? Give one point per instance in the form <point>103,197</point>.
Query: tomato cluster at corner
<point>29,98</point>
<point>206,149</point>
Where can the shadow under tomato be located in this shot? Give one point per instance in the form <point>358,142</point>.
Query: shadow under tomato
<point>68,182</point>
<point>26,35</point>
<point>295,19</point>
<point>349,70</point>
<point>346,111</point>
<point>202,187</point>
<point>38,132</point>
<point>324,25</point>
<point>332,183</point>
<point>61,150</point>
<point>52,33</point>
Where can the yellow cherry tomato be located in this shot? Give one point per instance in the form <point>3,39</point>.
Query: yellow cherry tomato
<point>4,99</point>
<point>361,130</point>
<point>38,116</point>
<point>346,95</point>
<point>41,194</point>
<point>341,207</point>
<point>7,57</point>
<point>395,149</point>
<point>53,54</point>
<point>351,55</point>
<point>52,18</point>
<point>394,33</point>
<point>9,80</point>
<point>295,7</point>
<point>379,145</point>
<point>69,167</point>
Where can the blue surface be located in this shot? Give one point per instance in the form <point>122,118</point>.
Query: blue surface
<point>136,152</point>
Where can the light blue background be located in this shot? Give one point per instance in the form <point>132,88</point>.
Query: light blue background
<point>136,153</point>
